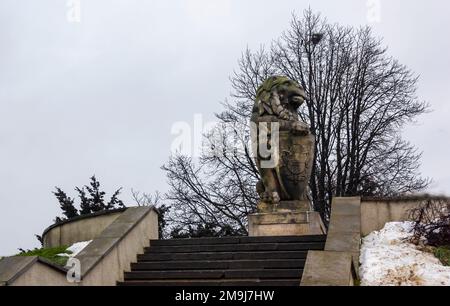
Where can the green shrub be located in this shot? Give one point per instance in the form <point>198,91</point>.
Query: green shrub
<point>443,253</point>
<point>50,254</point>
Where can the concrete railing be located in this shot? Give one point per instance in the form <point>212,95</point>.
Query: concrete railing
<point>81,228</point>
<point>101,263</point>
<point>105,259</point>
<point>338,264</point>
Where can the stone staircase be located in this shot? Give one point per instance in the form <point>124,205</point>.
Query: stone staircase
<point>227,261</point>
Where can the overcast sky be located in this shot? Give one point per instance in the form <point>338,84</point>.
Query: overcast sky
<point>100,96</point>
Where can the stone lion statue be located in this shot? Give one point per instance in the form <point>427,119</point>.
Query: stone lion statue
<point>277,101</point>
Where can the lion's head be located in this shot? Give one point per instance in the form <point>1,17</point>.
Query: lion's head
<point>279,95</point>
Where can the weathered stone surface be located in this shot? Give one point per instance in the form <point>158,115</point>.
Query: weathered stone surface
<point>117,229</point>
<point>344,233</point>
<point>285,224</point>
<point>347,206</point>
<point>99,246</point>
<point>345,224</point>
<point>343,242</point>
<point>31,271</point>
<point>99,249</point>
<point>328,268</point>
<point>133,215</point>
<point>376,212</point>
<point>41,273</point>
<point>338,264</point>
<point>284,218</point>
<point>81,228</point>
<point>88,262</point>
<point>11,267</point>
<point>284,206</point>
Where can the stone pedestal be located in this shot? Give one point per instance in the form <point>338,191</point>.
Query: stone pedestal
<point>287,218</point>
<point>284,206</point>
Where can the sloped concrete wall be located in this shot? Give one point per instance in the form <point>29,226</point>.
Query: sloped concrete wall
<point>105,259</point>
<point>337,265</point>
<point>30,271</point>
<point>40,274</point>
<point>102,262</point>
<point>328,268</point>
<point>83,228</point>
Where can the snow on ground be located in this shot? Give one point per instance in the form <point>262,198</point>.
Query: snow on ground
<point>76,248</point>
<point>388,260</point>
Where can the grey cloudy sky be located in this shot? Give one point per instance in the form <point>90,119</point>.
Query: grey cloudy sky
<point>100,96</point>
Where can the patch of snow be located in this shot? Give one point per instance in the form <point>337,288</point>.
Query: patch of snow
<point>387,259</point>
<point>75,248</point>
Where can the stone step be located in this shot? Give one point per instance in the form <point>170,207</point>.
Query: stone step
<point>228,261</point>
<point>215,274</point>
<point>223,256</point>
<point>247,247</point>
<point>213,282</point>
<point>218,264</point>
<point>237,240</point>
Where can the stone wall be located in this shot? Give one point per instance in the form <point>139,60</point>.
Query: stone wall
<point>82,228</point>
<point>376,212</point>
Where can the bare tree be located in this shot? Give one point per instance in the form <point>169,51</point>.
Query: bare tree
<point>359,98</point>
<point>219,197</point>
<point>431,222</point>
<point>155,200</point>
<point>146,199</point>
